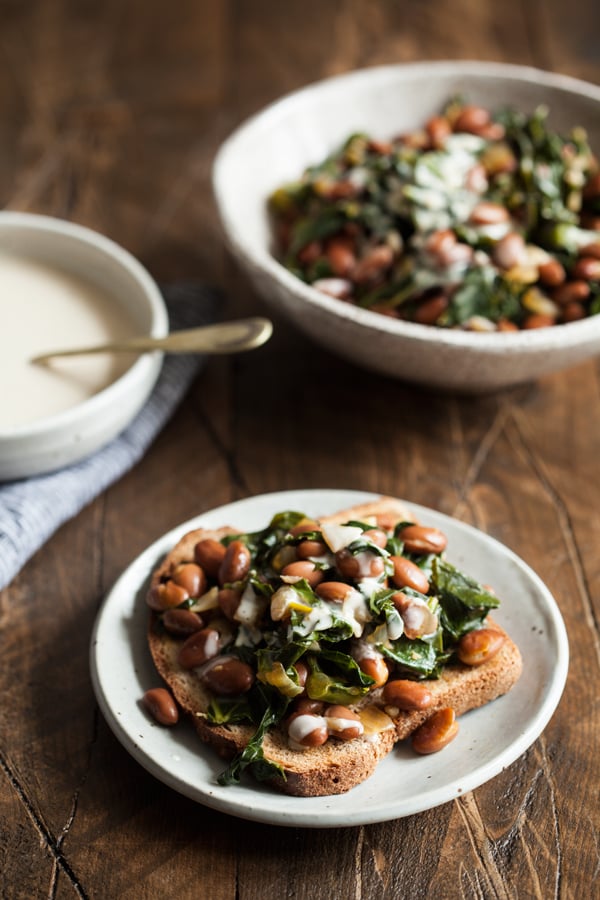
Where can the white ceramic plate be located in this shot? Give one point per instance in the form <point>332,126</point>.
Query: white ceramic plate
<point>489,739</point>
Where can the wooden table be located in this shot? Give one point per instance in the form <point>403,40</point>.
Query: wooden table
<point>111,114</point>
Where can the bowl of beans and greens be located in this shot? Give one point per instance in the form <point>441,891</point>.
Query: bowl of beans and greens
<point>434,222</point>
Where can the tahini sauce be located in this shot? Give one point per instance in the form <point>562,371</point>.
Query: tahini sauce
<point>43,308</point>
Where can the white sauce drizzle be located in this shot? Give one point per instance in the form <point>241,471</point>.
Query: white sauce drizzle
<point>251,607</point>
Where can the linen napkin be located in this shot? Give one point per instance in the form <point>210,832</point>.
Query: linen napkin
<point>32,509</point>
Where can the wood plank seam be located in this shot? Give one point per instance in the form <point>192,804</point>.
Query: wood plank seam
<point>45,834</point>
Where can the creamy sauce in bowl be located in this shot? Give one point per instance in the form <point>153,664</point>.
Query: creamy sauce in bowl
<point>44,307</point>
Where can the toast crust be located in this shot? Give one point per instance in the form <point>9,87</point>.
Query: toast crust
<point>336,766</point>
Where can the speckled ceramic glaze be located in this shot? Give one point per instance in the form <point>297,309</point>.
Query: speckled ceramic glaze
<point>301,129</point>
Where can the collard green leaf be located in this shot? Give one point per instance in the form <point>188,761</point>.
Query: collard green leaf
<point>285,520</point>
<point>363,546</point>
<point>226,710</point>
<point>464,603</point>
<point>355,523</point>
<point>382,606</point>
<point>450,580</point>
<point>330,627</point>
<point>274,707</point>
<point>253,757</point>
<point>263,545</point>
<point>335,686</point>
<point>395,547</point>
<point>346,665</point>
<point>457,619</point>
<point>484,293</point>
<point>315,228</point>
<point>418,657</point>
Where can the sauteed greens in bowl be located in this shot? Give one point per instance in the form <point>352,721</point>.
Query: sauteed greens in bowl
<point>476,221</point>
<point>478,215</point>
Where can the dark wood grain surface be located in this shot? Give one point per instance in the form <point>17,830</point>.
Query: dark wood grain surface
<point>111,114</point>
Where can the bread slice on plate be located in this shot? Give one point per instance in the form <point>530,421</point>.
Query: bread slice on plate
<point>324,618</point>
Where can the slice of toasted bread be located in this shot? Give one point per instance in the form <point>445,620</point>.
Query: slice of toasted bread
<point>336,766</point>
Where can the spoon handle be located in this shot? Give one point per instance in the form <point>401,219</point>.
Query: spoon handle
<point>224,337</point>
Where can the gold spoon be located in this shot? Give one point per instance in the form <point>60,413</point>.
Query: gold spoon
<point>225,337</point>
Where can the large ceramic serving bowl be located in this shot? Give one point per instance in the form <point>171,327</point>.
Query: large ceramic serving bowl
<point>54,441</point>
<point>276,145</point>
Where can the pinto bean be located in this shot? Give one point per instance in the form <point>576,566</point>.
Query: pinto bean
<point>377,536</point>
<point>307,730</point>
<point>229,600</point>
<point>506,325</point>
<point>408,574</point>
<point>509,251</point>
<point>591,189</point>
<point>493,131</point>
<point>166,595</point>
<point>198,648</point>
<point>341,257</point>
<point>209,554</point>
<point>235,564</point>
<point>303,705</point>
<point>439,242</point>
<point>182,622</point>
<point>438,130</point>
<point>551,273</point>
<point>229,677</point>
<point>476,179</point>
<point>537,320</point>
<point>587,268</point>
<point>459,253</point>
<point>429,310</point>
<point>383,148</point>
<point>488,213</point>
<point>406,694</point>
<point>361,565</point>
<point>310,253</point>
<point>191,577</point>
<point>302,672</point>
<point>161,706</point>
<point>571,291</point>
<point>416,615</point>
<point>333,591</point>
<point>343,723</point>
<point>304,569</point>
<point>572,312</point>
<point>310,548</point>
<point>375,667</point>
<point>472,119</point>
<point>420,539</point>
<point>304,527</point>
<point>373,264</point>
<point>479,646</point>
<point>592,249</point>
<point>436,733</point>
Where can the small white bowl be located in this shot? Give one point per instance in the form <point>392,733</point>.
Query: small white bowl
<point>68,436</point>
<point>276,146</point>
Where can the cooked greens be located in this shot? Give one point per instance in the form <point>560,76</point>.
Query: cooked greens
<point>311,646</point>
<point>466,212</point>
